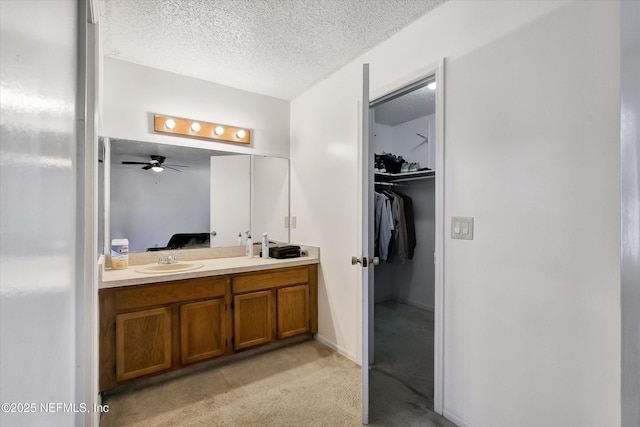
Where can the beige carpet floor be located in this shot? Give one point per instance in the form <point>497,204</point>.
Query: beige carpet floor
<point>305,384</point>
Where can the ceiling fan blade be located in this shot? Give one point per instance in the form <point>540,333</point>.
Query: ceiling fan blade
<point>135,163</point>
<point>177,166</point>
<point>146,167</point>
<point>169,167</point>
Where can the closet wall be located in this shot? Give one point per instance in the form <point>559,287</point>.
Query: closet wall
<point>411,282</point>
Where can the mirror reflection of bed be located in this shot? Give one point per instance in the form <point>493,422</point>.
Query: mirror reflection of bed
<point>149,207</point>
<point>185,241</point>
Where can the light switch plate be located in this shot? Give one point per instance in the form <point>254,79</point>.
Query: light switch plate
<point>462,227</point>
<point>294,222</point>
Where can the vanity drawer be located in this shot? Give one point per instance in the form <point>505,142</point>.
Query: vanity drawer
<point>260,281</point>
<point>170,292</point>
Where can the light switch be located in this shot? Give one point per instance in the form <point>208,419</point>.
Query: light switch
<point>286,222</point>
<point>294,222</point>
<point>462,227</point>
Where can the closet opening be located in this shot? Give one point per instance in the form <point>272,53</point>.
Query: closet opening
<point>403,138</point>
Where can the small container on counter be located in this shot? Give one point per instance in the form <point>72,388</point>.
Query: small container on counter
<point>249,246</point>
<point>119,253</point>
<point>265,246</point>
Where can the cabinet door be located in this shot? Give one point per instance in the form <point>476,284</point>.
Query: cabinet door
<point>202,330</point>
<point>293,310</point>
<point>253,319</point>
<point>143,342</point>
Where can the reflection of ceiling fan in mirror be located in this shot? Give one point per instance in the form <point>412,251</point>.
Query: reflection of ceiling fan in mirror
<point>156,164</point>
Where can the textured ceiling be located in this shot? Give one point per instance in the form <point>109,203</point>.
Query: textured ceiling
<point>410,106</point>
<point>272,47</point>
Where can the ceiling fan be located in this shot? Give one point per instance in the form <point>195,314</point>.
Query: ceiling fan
<point>156,164</point>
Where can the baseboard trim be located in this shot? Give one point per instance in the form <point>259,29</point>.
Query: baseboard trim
<point>336,348</point>
<point>454,418</point>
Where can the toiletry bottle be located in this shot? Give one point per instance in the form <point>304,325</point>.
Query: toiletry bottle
<point>249,246</point>
<point>119,253</point>
<point>265,246</point>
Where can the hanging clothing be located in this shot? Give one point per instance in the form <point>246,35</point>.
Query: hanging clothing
<point>409,220</point>
<point>383,226</point>
<point>395,235</point>
<point>397,248</point>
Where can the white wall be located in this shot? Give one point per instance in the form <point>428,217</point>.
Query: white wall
<point>532,317</point>
<point>134,93</point>
<point>41,358</point>
<point>148,208</point>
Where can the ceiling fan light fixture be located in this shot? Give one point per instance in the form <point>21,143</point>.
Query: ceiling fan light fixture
<point>170,124</point>
<point>157,168</point>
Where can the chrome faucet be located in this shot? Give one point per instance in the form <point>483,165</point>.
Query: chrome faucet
<point>170,259</point>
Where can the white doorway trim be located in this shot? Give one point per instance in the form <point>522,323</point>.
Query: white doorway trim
<point>436,69</point>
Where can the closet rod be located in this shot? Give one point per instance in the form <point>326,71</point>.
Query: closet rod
<point>415,179</point>
<point>390,184</point>
<point>412,179</point>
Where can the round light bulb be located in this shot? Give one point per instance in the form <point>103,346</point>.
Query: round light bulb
<point>241,134</point>
<point>219,130</point>
<point>170,124</point>
<point>195,127</point>
<point>157,168</point>
<point>431,86</point>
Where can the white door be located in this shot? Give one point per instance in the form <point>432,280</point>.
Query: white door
<point>366,257</point>
<point>230,201</point>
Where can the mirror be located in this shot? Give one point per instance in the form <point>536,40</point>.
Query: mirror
<point>197,192</point>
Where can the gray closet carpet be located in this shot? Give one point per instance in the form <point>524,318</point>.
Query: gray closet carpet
<point>401,378</point>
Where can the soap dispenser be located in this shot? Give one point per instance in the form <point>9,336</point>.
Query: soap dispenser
<point>265,246</point>
<point>249,246</point>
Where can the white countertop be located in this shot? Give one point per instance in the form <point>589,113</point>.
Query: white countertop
<point>210,267</point>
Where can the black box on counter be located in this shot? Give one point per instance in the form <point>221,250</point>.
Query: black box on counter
<point>282,252</point>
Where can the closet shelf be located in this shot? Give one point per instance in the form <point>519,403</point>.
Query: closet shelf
<point>403,177</point>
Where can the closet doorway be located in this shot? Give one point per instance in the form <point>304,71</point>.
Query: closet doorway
<point>404,298</point>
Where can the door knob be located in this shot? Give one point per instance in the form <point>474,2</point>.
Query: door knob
<point>364,261</point>
<point>213,233</point>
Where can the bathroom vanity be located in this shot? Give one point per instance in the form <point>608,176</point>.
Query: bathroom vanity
<point>151,323</point>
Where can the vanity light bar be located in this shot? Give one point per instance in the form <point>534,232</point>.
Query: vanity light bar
<point>195,128</point>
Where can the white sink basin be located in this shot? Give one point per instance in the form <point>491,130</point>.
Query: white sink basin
<point>168,268</point>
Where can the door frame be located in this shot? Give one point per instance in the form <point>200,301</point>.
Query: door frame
<point>437,70</point>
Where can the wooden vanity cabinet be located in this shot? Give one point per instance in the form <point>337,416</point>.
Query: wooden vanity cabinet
<point>143,342</point>
<point>274,305</point>
<point>293,311</point>
<point>202,330</point>
<point>253,319</point>
<point>149,329</point>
